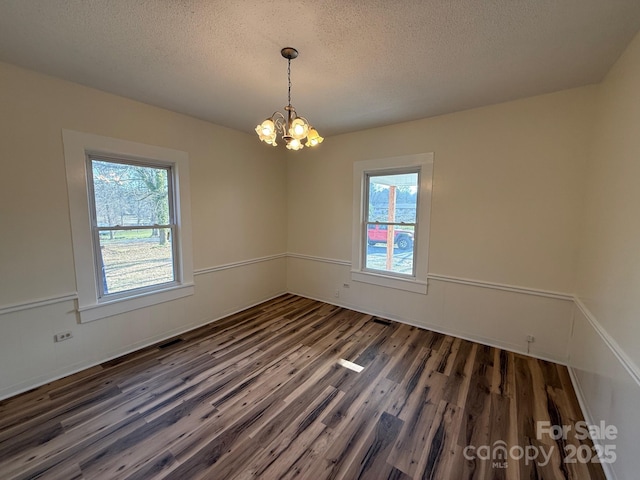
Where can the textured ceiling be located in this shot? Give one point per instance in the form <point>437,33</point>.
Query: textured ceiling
<point>362,63</point>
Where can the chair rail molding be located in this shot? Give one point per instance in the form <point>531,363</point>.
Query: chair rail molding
<point>39,302</point>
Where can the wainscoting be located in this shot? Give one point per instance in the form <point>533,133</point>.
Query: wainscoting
<point>30,357</point>
<point>299,388</point>
<point>606,382</point>
<point>498,315</point>
<point>607,385</point>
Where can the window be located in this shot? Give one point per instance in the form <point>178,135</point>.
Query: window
<point>390,222</point>
<point>133,222</point>
<point>392,199</point>
<point>130,223</point>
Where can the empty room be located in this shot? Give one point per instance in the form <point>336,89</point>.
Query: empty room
<point>319,240</point>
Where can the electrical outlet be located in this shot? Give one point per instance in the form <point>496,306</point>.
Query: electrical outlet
<point>531,339</point>
<point>337,294</point>
<point>62,336</point>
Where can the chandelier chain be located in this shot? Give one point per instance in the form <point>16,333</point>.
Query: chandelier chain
<point>289,77</point>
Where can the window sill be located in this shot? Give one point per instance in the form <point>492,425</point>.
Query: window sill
<point>89,313</point>
<point>408,285</point>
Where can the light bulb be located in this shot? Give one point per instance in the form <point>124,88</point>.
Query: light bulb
<point>299,128</point>
<point>313,138</point>
<point>294,144</point>
<point>267,131</point>
<point>267,127</point>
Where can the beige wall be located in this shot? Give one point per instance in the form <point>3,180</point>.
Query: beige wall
<point>238,205</point>
<point>507,189</point>
<point>237,185</point>
<point>609,271</point>
<point>507,198</point>
<point>605,348</point>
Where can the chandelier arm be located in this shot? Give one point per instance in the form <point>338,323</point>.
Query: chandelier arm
<point>279,121</point>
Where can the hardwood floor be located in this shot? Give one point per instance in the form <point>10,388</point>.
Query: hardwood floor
<point>263,394</point>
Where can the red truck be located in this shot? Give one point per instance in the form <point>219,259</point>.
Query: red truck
<point>378,234</point>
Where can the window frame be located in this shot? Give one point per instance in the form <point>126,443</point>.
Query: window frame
<point>421,163</point>
<point>79,148</point>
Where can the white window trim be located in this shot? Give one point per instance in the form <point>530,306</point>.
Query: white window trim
<point>77,145</point>
<point>417,283</point>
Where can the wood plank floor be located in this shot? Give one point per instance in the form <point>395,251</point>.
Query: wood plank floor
<point>264,394</point>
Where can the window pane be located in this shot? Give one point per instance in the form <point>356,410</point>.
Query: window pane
<point>130,195</point>
<point>136,258</point>
<point>399,191</point>
<point>399,259</point>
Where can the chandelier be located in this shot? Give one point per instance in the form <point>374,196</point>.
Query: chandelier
<point>292,128</point>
